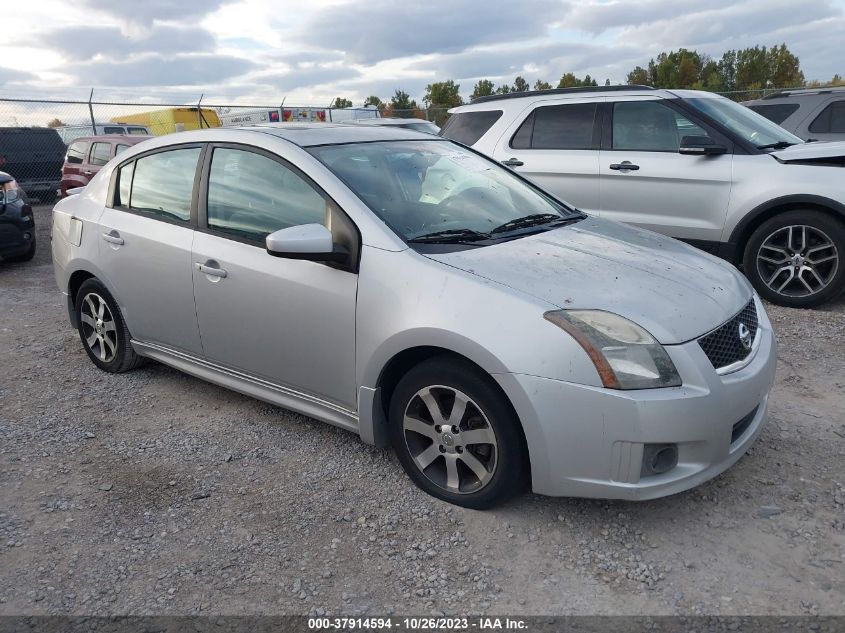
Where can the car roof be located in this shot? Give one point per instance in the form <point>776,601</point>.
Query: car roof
<point>311,134</point>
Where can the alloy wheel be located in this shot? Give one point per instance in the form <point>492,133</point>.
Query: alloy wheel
<point>797,261</point>
<point>98,327</point>
<point>450,439</point>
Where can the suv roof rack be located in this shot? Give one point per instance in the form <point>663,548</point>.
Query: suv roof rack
<point>560,91</point>
<point>805,91</point>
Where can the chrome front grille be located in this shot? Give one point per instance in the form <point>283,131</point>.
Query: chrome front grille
<point>724,346</point>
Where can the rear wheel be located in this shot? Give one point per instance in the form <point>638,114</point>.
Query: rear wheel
<point>797,258</point>
<point>102,330</point>
<point>456,435</point>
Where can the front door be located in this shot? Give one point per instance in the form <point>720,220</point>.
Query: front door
<point>556,146</point>
<point>647,183</point>
<point>290,322</point>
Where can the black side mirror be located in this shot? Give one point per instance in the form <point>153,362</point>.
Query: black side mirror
<point>700,146</point>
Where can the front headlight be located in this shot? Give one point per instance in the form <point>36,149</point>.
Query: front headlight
<point>625,355</point>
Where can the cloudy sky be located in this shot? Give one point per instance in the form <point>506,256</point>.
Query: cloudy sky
<point>258,51</point>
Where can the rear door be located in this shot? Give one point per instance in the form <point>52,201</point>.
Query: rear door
<point>75,164</point>
<point>647,183</point>
<point>556,146</point>
<point>99,155</point>
<point>145,246</point>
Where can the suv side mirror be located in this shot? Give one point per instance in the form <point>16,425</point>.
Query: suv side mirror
<point>306,241</point>
<point>700,146</point>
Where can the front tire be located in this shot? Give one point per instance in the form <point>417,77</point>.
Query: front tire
<point>797,259</point>
<point>103,332</point>
<point>27,256</point>
<point>456,435</point>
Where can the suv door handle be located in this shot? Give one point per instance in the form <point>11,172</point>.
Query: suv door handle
<point>512,162</point>
<point>113,238</point>
<point>210,270</point>
<point>625,165</point>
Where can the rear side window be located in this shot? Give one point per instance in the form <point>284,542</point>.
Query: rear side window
<point>775,112</point>
<point>138,130</point>
<point>76,152</point>
<point>568,126</point>
<point>468,127</point>
<point>100,153</point>
<point>113,130</point>
<point>163,184</point>
<point>831,120</point>
<point>250,195</point>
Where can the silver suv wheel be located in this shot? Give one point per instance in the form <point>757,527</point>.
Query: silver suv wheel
<point>797,260</point>
<point>450,439</point>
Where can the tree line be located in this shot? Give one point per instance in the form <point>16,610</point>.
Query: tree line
<point>741,70</point>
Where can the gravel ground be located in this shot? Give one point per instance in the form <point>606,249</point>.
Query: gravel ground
<point>153,492</point>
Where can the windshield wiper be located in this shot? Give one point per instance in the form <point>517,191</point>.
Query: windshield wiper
<point>535,219</point>
<point>450,236</point>
<point>778,145</point>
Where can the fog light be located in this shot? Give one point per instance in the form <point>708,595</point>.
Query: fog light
<point>658,459</point>
<point>27,236</point>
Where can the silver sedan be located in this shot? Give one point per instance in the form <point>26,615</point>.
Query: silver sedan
<point>414,292</point>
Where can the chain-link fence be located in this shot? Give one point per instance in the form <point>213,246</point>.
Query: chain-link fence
<point>37,136</point>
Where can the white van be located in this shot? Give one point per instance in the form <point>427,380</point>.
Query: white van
<point>70,133</point>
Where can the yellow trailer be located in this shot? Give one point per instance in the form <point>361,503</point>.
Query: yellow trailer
<point>172,119</point>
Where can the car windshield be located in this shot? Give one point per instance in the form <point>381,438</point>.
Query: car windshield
<point>432,189</point>
<point>744,122</point>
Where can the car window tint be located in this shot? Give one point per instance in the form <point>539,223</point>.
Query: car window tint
<point>113,130</point>
<point>250,195</point>
<point>119,148</point>
<point>468,127</point>
<point>100,153</point>
<point>831,120</point>
<point>650,126</point>
<point>163,183</point>
<point>568,126</point>
<point>775,112</point>
<point>138,130</point>
<point>522,138</point>
<point>76,152</point>
<point>124,184</point>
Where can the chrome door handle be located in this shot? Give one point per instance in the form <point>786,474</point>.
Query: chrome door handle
<point>625,165</point>
<point>113,239</point>
<point>87,173</point>
<point>210,270</point>
<point>512,162</point>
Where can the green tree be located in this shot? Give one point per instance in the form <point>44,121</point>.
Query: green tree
<point>520,85</point>
<point>482,88</point>
<point>589,81</point>
<point>401,105</point>
<point>542,85</point>
<point>342,102</point>
<point>440,96</point>
<point>568,80</point>
<point>375,101</point>
<point>503,89</point>
<point>607,82</point>
<point>784,68</point>
<point>639,76</point>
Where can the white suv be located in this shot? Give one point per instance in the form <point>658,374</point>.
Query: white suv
<point>689,164</point>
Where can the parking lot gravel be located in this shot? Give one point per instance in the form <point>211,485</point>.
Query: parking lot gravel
<point>156,493</point>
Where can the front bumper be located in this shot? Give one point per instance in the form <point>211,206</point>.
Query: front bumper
<point>587,441</point>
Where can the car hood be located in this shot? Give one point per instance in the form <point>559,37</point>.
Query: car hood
<point>810,151</point>
<point>674,291</point>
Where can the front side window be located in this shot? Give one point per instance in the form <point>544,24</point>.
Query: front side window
<point>119,148</point>
<point>163,184</point>
<point>650,126</point>
<point>468,127</point>
<point>76,152</point>
<point>567,126</point>
<point>251,195</point>
<point>100,153</point>
<point>423,187</point>
<point>831,120</point>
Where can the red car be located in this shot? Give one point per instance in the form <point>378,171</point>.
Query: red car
<point>85,156</point>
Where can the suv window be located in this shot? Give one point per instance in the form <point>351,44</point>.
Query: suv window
<point>775,112</point>
<point>100,153</point>
<point>138,130</point>
<point>831,120</point>
<point>468,127</point>
<point>567,126</point>
<point>650,126</point>
<point>113,130</point>
<point>119,148</point>
<point>163,184</point>
<point>251,195</point>
<point>76,152</point>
